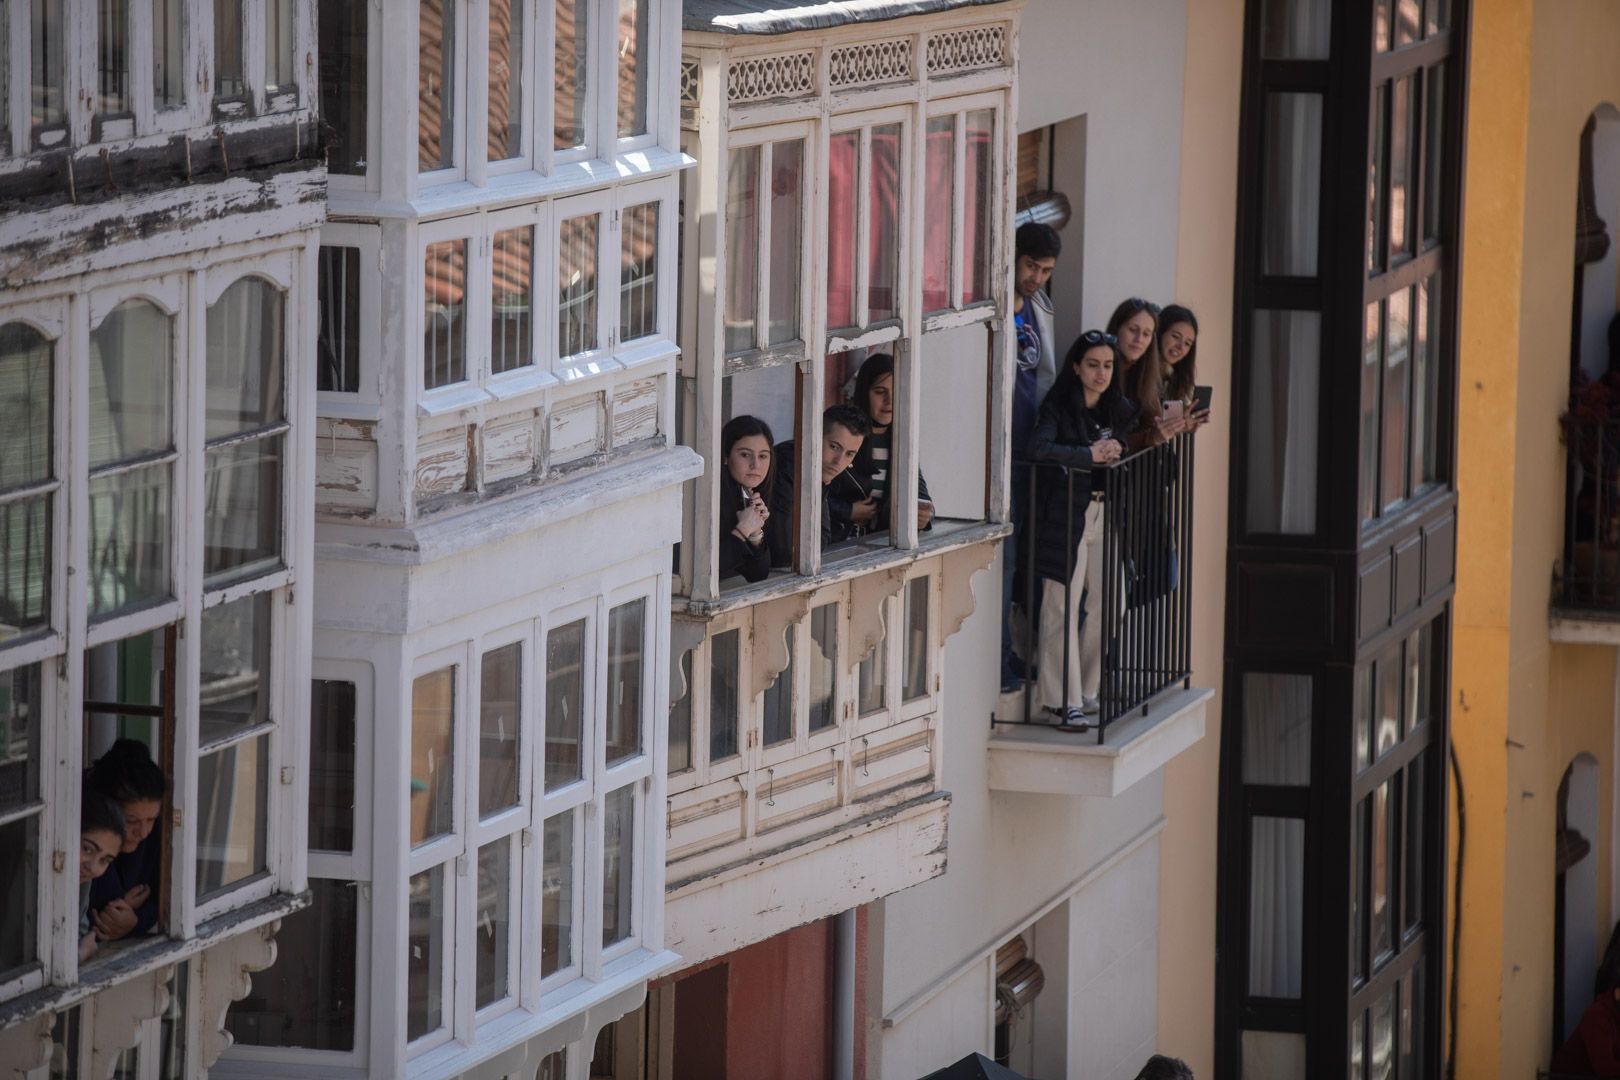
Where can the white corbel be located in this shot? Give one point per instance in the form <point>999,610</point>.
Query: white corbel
<point>771,654</point>
<point>26,1046</point>
<point>120,1012</point>
<point>869,596</point>
<point>684,636</point>
<point>958,570</point>
<point>224,972</point>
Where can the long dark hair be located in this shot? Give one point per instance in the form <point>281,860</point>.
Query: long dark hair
<point>1142,379</point>
<point>98,813</point>
<point>737,428</point>
<point>874,368</point>
<point>126,773</point>
<point>1067,387</point>
<point>1183,376</point>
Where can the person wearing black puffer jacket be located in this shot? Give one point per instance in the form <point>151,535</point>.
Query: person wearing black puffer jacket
<point>1082,424</point>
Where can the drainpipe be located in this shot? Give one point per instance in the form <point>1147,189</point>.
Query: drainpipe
<point>844,996</point>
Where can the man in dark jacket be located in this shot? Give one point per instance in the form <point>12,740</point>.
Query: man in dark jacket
<point>843,429</point>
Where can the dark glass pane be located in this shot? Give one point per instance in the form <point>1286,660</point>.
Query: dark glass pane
<point>1276,729</point>
<point>233,786</point>
<point>331,765</point>
<point>1381,1053</point>
<point>565,704</point>
<point>433,746</point>
<point>342,58</point>
<point>425,954</point>
<point>823,667</point>
<point>1438,16</point>
<point>871,680</point>
<point>112,58</point>
<point>337,348</point>
<point>626,648</point>
<point>1295,29</point>
<point>20,704</point>
<point>778,704</point>
<point>1397,382</point>
<point>1416,811</point>
<point>19,894</point>
<point>500,721</point>
<point>230,71</point>
<point>1387,719</point>
<point>618,865</point>
<point>638,271</point>
<point>1293,185</point>
<point>1403,162</point>
<point>492,934</point>
<point>1281,426</point>
<point>1380,899</point>
<point>1434,127</point>
<point>242,510</point>
<point>725,674</point>
<point>914,680</point>
<point>1376,178</point>
<point>557,872</point>
<point>47,35</point>
<point>1358,900</point>
<point>1371,362</point>
<point>235,655</point>
<point>1419,677</point>
<point>444,314</point>
<point>680,720</point>
<point>306,999</point>
<point>1276,906</point>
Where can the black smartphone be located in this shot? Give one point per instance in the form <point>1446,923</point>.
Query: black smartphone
<point>1202,396</point>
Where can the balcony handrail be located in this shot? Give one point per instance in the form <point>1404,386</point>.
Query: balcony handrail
<point>1146,608</point>
<point>1589,574</point>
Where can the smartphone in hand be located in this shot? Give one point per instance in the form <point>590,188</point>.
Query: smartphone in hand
<point>1202,396</point>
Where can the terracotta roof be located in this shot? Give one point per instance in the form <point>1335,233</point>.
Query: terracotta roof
<point>787,16</point>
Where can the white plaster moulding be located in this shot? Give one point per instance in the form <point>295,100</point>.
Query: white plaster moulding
<point>928,992</point>
<point>549,503</point>
<point>1572,628</point>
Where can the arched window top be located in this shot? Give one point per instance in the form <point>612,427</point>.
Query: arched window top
<point>246,357</point>
<point>26,399</point>
<point>131,376</point>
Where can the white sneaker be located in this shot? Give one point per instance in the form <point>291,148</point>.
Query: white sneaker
<point>1090,706</point>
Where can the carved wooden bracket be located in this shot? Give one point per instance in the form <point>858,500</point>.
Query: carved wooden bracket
<point>958,569</point>
<point>771,653</point>
<point>26,1046</point>
<point>120,1010</point>
<point>868,595</point>
<point>684,636</point>
<point>224,971</point>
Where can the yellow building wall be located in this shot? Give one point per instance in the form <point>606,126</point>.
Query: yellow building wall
<point>1204,281</point>
<point>1522,707</point>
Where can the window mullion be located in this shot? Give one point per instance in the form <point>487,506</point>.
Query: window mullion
<point>473,106</point>
<point>863,227</point>
<point>253,46</point>
<point>762,260</point>
<point>958,242</point>
<point>141,32</point>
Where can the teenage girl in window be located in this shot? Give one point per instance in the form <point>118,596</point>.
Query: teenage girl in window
<point>124,900</point>
<point>101,835</point>
<point>748,450</point>
<point>1135,323</point>
<point>1083,423</point>
<point>874,395</point>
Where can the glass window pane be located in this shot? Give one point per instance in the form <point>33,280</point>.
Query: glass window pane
<point>557,895</point>
<point>680,720</point>
<point>742,247</point>
<point>230,70</point>
<point>19,896</point>
<point>1416,810</point>
<point>433,747</point>
<point>242,510</point>
<point>25,566</point>
<point>169,53</point>
<point>306,999</point>
<point>1273,1055</point>
<point>235,657</point>
<point>1276,906</point>
<point>1426,444</point>
<point>883,267</point>
<point>1371,362</point>
<point>572,70</point>
<point>436,86</point>
<point>1377,174</point>
<point>843,181</point>
<point>19,737</point>
<point>1365,706</point>
<point>1420,677</point>
<point>233,786</point>
<point>1425,370</point>
<point>915,620</point>
<point>638,272</point>
<point>1358,888</point>
<point>331,765</point>
<point>1438,16</point>
<point>634,62</point>
<point>565,704</point>
<point>511,315</point>
<point>1403,163</point>
<point>939,193</point>
<point>823,667</point>
<point>112,58</point>
<point>337,347</point>
<point>1282,426</point>
<point>554,1066</point>
<point>1380,904</point>
<point>1413,1007</point>
<point>1382,17</point>
<point>725,675</point>
<point>778,703</point>
<point>1289,226</point>
<point>978,188</point>
<point>787,223</point>
<point>576,301</point>
<point>444,314</point>
<point>1387,721</point>
<point>626,646</point>
<point>618,864</point>
<point>130,392</point>
<point>425,954</point>
<point>1276,729</point>
<point>492,943</point>
<point>871,678</point>
<point>1434,128</point>
<point>280,67</point>
<point>1381,1056</point>
<point>1296,29</point>
<point>1358,1047</point>
<point>342,59</point>
<point>46,30</point>
<point>1408,21</point>
<point>27,401</point>
<point>129,540</point>
<point>500,712</point>
<point>505,79</point>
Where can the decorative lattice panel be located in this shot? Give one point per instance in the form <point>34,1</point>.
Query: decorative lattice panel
<point>870,62</point>
<point>967,50</point>
<point>690,67</point>
<point>757,78</point>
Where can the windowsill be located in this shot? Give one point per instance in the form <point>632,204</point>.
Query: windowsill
<point>846,561</point>
<point>515,384</point>
<point>119,963</point>
<point>1041,759</point>
<point>451,399</point>
<point>362,412</point>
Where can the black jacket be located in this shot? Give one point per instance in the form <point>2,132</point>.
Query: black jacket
<point>1064,432</point>
<point>863,469</point>
<point>836,524</point>
<point>738,557</point>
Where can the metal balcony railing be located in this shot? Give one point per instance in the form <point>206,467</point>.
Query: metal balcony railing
<point>1589,577</point>
<point>1146,550</point>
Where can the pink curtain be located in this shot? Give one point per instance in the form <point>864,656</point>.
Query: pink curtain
<point>937,214</point>
<point>843,168</point>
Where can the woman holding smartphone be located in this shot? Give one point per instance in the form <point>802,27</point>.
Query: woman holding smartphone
<point>1135,323</point>
<point>1178,346</point>
<point>1083,424</point>
<point>748,450</point>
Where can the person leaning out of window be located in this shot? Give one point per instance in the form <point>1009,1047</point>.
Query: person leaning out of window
<point>1083,423</point>
<point>101,835</point>
<point>843,429</point>
<point>748,452</point>
<point>874,395</point>
<point>124,900</point>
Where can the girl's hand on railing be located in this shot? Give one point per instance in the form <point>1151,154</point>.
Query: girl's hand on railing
<point>1106,451</point>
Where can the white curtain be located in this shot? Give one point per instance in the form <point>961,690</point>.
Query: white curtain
<point>1284,378</point>
<point>1276,751</point>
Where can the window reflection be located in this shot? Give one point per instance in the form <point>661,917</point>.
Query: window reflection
<point>432,779</point>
